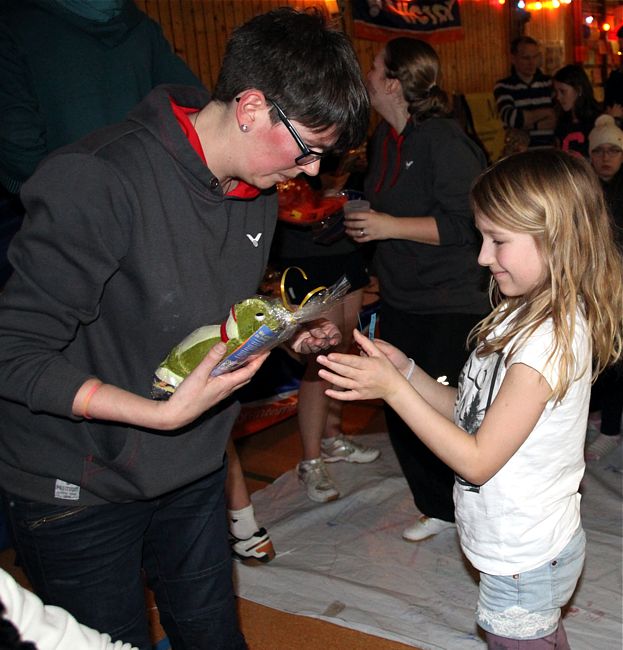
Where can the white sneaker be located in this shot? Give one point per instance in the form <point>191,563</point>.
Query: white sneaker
<point>318,484</point>
<point>602,446</point>
<point>425,527</point>
<point>342,448</point>
<point>254,550</point>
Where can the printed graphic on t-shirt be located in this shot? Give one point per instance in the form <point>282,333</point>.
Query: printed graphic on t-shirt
<point>473,390</point>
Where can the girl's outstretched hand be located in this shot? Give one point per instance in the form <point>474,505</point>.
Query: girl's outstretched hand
<point>398,358</point>
<point>371,375</point>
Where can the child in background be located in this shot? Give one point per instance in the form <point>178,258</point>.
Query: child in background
<point>514,430</point>
<point>579,109</point>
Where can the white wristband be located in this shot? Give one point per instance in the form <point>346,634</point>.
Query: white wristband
<point>410,371</point>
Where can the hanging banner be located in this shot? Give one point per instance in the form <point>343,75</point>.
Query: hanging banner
<point>435,21</point>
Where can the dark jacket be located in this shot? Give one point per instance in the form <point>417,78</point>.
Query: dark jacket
<point>63,75</point>
<point>572,137</point>
<point>428,171</point>
<point>128,245</point>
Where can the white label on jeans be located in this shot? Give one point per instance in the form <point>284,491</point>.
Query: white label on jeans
<point>68,491</point>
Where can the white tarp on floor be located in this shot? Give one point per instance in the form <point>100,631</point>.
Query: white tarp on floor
<point>345,561</point>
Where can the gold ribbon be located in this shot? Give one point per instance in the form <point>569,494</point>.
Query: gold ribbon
<point>284,298</point>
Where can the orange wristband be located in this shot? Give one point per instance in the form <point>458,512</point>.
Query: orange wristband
<point>87,399</point>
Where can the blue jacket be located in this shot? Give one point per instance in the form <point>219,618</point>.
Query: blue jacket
<point>63,75</point>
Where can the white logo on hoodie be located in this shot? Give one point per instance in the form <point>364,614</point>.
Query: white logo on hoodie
<point>255,240</point>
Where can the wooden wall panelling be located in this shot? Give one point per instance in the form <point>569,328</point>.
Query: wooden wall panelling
<point>207,50</point>
<point>553,29</point>
<point>472,64</point>
<point>198,31</point>
<point>217,32</point>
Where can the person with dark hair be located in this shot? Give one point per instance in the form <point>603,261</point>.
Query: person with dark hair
<point>525,99</point>
<point>421,167</point>
<point>579,109</point>
<point>134,237</point>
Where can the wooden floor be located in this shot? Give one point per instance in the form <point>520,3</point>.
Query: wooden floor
<point>264,457</point>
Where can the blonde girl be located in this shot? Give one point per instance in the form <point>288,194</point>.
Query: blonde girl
<point>514,429</point>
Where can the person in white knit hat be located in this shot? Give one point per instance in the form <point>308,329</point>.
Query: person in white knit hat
<point>606,151</point>
<point>606,147</point>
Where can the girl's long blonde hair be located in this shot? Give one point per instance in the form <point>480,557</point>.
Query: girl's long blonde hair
<point>558,200</point>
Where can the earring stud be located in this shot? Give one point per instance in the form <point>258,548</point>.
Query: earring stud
<point>244,128</point>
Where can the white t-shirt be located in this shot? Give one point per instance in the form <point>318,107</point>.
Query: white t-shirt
<point>527,513</point>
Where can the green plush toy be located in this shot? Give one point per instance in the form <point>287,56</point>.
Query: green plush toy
<point>254,325</point>
<point>245,319</point>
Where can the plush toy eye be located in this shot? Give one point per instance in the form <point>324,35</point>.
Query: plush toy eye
<point>260,317</point>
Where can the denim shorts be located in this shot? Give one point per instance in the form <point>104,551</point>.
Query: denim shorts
<point>527,605</point>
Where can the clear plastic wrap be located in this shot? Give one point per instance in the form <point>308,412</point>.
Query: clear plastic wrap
<point>253,326</point>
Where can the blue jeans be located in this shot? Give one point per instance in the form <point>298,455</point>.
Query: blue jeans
<point>527,605</point>
<point>88,560</point>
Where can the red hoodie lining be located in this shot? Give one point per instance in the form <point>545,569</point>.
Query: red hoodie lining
<point>398,139</point>
<point>242,190</point>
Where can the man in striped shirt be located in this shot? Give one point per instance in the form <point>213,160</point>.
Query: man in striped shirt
<point>525,98</point>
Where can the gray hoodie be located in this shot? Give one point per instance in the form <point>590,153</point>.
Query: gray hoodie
<point>128,245</point>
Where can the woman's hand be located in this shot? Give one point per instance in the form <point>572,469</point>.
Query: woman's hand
<point>371,375</point>
<point>200,391</point>
<point>318,335</point>
<point>368,225</point>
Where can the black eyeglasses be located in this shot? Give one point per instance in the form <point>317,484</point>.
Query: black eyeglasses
<point>308,155</point>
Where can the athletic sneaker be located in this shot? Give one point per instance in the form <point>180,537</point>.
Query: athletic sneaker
<point>342,448</point>
<point>257,549</point>
<point>318,484</point>
<point>602,446</point>
<point>425,527</point>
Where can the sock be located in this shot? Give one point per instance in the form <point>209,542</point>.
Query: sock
<point>242,522</point>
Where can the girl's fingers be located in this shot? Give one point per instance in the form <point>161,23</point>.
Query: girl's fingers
<point>366,345</point>
<point>336,379</point>
<point>342,395</point>
<point>343,365</point>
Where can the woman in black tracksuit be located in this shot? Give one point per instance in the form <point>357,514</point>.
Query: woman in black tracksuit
<point>433,292</point>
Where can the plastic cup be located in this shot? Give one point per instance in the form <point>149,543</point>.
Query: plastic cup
<point>356,205</point>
